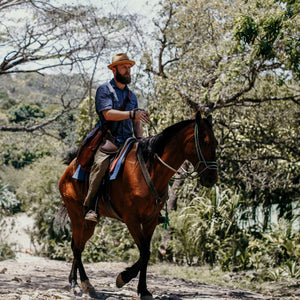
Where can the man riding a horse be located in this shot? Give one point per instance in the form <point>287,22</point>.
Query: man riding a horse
<point>139,192</point>
<point>116,107</point>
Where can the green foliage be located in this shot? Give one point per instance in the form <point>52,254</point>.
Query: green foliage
<point>283,243</point>
<point>6,251</point>
<point>215,228</point>
<point>20,151</point>
<point>111,242</point>
<point>207,229</point>
<point>86,119</point>
<point>25,113</point>
<point>246,29</point>
<point>9,204</point>
<point>6,102</point>
<point>42,200</point>
<point>258,154</point>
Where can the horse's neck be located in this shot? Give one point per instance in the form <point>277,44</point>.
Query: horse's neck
<point>174,156</point>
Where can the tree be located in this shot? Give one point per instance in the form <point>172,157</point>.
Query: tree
<point>240,60</point>
<point>62,40</point>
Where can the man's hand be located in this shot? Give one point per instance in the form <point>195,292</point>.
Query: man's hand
<point>142,115</point>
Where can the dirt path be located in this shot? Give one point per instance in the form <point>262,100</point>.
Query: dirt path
<point>29,277</point>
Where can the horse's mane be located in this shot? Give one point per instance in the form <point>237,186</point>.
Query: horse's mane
<point>157,143</point>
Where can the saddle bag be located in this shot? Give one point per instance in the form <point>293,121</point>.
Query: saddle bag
<point>87,150</point>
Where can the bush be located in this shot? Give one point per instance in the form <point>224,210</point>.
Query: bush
<point>212,228</point>
<point>6,251</point>
<point>25,112</point>
<point>9,204</point>
<point>42,200</point>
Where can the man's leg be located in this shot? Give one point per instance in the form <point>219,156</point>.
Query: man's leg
<point>98,170</point>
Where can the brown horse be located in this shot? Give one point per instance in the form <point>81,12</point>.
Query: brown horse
<point>136,201</point>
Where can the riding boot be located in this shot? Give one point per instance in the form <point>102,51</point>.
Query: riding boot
<point>90,214</point>
<point>101,164</point>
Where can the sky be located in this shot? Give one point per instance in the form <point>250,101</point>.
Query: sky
<point>128,6</point>
<point>145,8</point>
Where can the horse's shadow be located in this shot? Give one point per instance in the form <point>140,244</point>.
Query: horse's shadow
<point>101,295</point>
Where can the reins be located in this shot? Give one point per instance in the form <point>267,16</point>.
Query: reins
<point>158,199</point>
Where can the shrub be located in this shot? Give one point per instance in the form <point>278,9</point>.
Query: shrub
<point>9,203</point>
<point>6,251</point>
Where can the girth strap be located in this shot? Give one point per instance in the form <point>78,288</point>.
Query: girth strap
<point>158,199</point>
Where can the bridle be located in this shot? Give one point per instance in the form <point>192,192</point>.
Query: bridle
<point>209,165</point>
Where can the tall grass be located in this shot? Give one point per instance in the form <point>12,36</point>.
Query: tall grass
<point>216,228</point>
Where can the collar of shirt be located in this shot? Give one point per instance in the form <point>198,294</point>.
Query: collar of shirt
<point>121,93</point>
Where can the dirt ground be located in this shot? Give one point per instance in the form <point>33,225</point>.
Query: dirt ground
<point>31,277</point>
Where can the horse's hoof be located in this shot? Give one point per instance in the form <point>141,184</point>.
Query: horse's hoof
<point>120,282</point>
<point>87,288</point>
<point>75,289</point>
<point>147,297</point>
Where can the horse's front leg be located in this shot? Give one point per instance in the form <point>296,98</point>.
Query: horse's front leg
<point>128,274</point>
<point>142,236</point>
<point>144,258</point>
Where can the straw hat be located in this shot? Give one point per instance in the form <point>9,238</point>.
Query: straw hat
<point>119,59</point>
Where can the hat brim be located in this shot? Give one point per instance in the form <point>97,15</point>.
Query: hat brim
<point>131,62</point>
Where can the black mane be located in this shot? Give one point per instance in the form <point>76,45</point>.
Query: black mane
<point>157,143</point>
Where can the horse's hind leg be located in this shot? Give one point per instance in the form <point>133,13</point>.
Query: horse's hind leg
<point>82,231</point>
<point>73,274</point>
<point>87,288</point>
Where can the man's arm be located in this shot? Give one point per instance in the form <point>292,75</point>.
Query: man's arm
<point>115,115</point>
<point>138,116</point>
<point>137,129</point>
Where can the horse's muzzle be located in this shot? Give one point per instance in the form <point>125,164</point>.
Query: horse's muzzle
<point>208,179</point>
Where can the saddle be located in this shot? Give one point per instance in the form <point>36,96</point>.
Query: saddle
<point>117,161</point>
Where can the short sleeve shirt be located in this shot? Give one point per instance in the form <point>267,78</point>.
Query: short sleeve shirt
<point>105,99</point>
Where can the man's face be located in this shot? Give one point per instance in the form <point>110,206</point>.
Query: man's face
<point>123,73</point>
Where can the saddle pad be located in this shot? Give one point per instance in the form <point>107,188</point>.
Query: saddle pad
<point>117,163</point>
<point>81,174</point>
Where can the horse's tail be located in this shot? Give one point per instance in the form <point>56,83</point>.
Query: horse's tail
<point>61,217</point>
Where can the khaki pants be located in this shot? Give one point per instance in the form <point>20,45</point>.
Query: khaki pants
<point>98,170</point>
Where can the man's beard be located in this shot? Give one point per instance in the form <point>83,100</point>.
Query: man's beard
<point>123,78</point>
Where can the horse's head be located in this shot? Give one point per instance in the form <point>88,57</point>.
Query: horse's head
<point>202,152</point>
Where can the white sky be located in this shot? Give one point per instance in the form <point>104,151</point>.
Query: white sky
<point>128,6</point>
<point>141,7</point>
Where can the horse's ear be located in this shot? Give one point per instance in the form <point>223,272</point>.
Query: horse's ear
<point>198,116</point>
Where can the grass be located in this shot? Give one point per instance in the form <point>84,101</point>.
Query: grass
<point>245,280</point>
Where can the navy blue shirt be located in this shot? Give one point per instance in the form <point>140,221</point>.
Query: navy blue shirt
<point>105,99</point>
